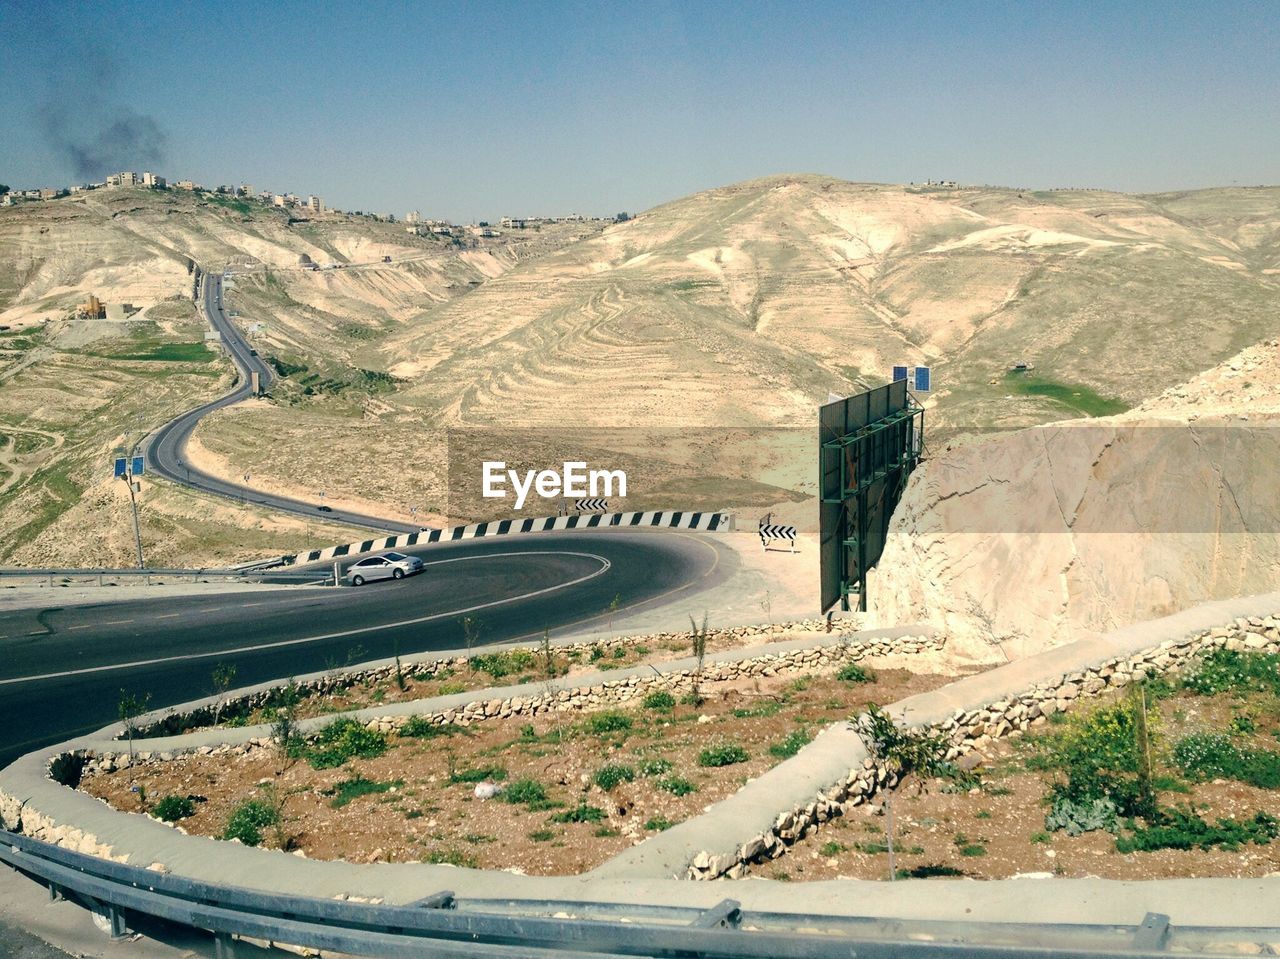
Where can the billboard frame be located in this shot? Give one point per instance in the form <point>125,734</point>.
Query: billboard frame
<point>868,444</point>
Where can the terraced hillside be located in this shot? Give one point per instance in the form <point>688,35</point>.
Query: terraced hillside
<point>739,307</point>
<point>74,391</point>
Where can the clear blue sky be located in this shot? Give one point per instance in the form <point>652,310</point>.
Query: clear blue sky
<point>473,110</point>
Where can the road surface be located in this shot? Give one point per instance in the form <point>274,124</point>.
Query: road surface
<point>63,670</point>
<point>166,447</point>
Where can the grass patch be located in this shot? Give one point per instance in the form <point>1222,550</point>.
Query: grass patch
<point>607,722</point>
<point>1078,399</point>
<point>794,742</point>
<point>677,786</point>
<point>528,792</point>
<point>728,754</point>
<point>611,776</point>
<point>580,813</point>
<point>1212,755</point>
<point>853,673</point>
<point>419,727</point>
<point>478,775</point>
<point>1233,671</point>
<point>656,767</point>
<point>247,821</point>
<point>341,740</point>
<point>173,808</point>
<point>662,701</point>
<point>1185,829</point>
<point>356,787</point>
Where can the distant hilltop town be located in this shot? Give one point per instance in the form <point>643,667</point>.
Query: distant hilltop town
<point>414,221</point>
<point>154,181</point>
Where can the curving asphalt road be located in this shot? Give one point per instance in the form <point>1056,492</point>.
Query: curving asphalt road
<point>62,670</point>
<point>166,447</point>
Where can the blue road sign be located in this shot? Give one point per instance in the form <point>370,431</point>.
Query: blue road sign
<point>922,379</point>
<point>137,466</point>
<point>899,373</point>
<point>121,462</point>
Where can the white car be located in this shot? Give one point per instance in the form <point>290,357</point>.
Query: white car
<point>383,566</point>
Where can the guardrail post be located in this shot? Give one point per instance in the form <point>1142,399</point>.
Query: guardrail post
<point>119,928</point>
<point>336,580</point>
<point>224,946</point>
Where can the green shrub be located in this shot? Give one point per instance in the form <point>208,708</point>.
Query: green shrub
<point>527,792</point>
<point>656,767</point>
<point>932,871</point>
<point>542,835</point>
<point>611,776</point>
<point>1212,755</point>
<point>794,742</point>
<point>853,673</point>
<point>344,739</point>
<point>1233,671</point>
<point>659,823</point>
<point>832,848</point>
<point>247,821</point>
<point>173,808</point>
<point>661,700</point>
<point>1103,753</point>
<point>420,727</point>
<point>677,786</point>
<point>580,813</point>
<point>973,849</point>
<point>1185,829</point>
<point>1078,816</point>
<point>607,722</point>
<point>505,663</point>
<point>356,787</point>
<point>726,754</point>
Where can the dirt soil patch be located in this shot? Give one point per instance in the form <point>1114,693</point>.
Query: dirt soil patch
<point>998,829</point>
<point>583,787</point>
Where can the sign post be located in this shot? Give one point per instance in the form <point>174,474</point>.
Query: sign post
<point>127,469</point>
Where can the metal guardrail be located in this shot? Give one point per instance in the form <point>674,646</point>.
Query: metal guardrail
<point>442,925</point>
<point>102,576</point>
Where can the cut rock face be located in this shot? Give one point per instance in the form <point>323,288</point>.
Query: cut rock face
<point>1031,538</point>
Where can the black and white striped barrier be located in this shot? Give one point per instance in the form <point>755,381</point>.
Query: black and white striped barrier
<point>671,519</point>
<point>591,505</point>
<point>772,531</point>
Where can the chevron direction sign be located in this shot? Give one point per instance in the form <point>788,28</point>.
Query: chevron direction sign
<point>772,531</point>
<point>591,505</point>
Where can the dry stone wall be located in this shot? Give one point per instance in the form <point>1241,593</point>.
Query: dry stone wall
<point>975,729</point>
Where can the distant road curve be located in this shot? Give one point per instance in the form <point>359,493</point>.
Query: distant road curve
<point>166,447</point>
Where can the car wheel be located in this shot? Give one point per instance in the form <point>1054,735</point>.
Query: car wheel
<point>357,580</point>
<point>397,573</point>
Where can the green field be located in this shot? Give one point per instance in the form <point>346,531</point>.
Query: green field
<point>1078,399</point>
<point>166,352</point>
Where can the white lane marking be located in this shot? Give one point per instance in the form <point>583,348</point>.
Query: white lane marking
<point>85,626</point>
<point>165,616</point>
<point>117,622</point>
<point>605,566</point>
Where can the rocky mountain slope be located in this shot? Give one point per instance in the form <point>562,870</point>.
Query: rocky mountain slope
<point>1023,539</point>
